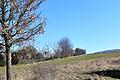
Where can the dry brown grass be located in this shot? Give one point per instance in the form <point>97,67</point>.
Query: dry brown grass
<point>68,71</point>
<point>73,71</point>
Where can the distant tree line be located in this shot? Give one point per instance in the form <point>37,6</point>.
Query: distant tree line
<point>29,54</point>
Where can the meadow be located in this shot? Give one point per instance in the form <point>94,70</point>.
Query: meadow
<point>84,67</point>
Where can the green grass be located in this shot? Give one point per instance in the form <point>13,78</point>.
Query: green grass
<point>109,78</point>
<point>75,59</point>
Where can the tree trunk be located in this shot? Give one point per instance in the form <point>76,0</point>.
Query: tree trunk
<point>8,64</point>
<point>8,58</point>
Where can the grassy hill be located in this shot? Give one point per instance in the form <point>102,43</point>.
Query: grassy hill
<point>109,51</point>
<point>84,67</point>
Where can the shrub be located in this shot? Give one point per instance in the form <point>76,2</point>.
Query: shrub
<point>15,58</point>
<point>79,51</point>
<point>2,60</point>
<point>39,57</point>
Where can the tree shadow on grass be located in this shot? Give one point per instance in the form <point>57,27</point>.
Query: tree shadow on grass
<point>108,73</point>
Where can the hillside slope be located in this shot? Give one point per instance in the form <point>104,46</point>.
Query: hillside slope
<point>84,67</point>
<point>109,51</point>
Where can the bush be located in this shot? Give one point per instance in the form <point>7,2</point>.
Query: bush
<point>2,60</point>
<point>79,51</point>
<point>15,58</point>
<point>39,57</point>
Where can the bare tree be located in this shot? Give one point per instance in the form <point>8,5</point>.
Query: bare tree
<point>64,48</point>
<point>20,20</point>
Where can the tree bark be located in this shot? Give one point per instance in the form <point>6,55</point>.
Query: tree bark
<point>8,65</point>
<point>8,59</point>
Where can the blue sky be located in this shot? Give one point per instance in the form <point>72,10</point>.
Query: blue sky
<point>93,25</point>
